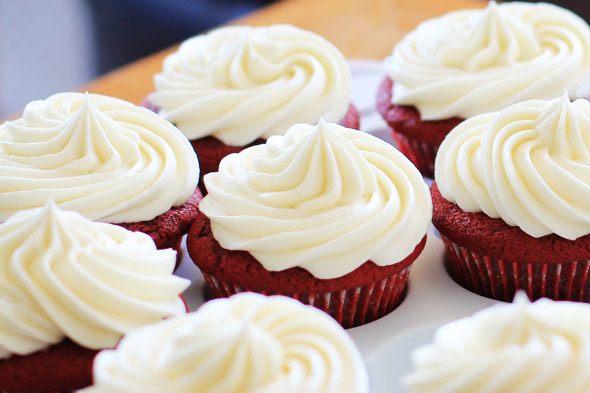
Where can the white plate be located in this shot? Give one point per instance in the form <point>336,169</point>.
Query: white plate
<point>432,298</point>
<point>392,360</point>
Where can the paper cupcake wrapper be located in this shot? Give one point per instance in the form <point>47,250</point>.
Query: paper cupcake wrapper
<point>499,278</point>
<point>349,307</point>
<point>421,154</point>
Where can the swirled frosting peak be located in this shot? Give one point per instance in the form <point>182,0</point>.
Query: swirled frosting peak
<point>540,347</point>
<point>247,343</point>
<point>106,158</point>
<point>470,62</point>
<point>240,83</point>
<point>528,164</point>
<point>325,198</point>
<point>62,275</point>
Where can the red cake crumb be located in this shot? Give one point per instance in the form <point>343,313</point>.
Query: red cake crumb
<point>211,150</point>
<point>493,259</point>
<point>406,119</point>
<point>168,228</point>
<point>62,367</point>
<point>59,368</point>
<point>492,236</point>
<point>416,139</point>
<point>241,268</point>
<point>361,296</point>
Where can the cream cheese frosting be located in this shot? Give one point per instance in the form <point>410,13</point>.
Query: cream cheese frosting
<point>247,343</point>
<point>528,164</point>
<point>62,275</point>
<point>541,347</point>
<point>470,62</point>
<point>106,158</point>
<point>241,83</point>
<point>325,198</point>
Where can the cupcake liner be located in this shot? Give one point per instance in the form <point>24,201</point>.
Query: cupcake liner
<point>349,307</point>
<point>499,278</point>
<point>421,154</point>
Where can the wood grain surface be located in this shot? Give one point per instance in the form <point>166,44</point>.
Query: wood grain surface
<point>359,28</point>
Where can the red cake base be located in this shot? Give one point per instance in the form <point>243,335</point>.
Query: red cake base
<point>211,150</point>
<point>359,297</point>
<point>493,259</point>
<point>416,139</point>
<point>168,228</point>
<point>61,368</point>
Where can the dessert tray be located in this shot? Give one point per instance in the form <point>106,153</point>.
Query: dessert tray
<point>432,299</point>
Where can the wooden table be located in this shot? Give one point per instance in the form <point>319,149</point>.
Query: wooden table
<point>360,28</point>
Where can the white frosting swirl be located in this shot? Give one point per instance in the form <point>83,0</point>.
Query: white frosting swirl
<point>62,275</point>
<point>543,347</point>
<point>240,83</point>
<point>106,158</point>
<point>247,343</point>
<point>470,62</point>
<point>528,164</point>
<point>325,198</point>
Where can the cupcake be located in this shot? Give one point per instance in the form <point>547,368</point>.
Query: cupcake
<point>70,287</point>
<point>511,200</point>
<point>247,343</point>
<point>479,61</point>
<point>540,347</point>
<point>236,86</point>
<point>328,215</point>
<point>103,157</point>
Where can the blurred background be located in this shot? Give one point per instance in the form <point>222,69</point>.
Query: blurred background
<point>59,45</point>
<point>48,46</point>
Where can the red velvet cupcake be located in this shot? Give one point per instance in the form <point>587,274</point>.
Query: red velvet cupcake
<point>329,215</point>
<point>237,85</point>
<point>70,288</point>
<point>354,299</point>
<point>511,201</point>
<point>245,344</point>
<point>493,259</point>
<point>108,159</point>
<point>507,348</point>
<point>460,65</point>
